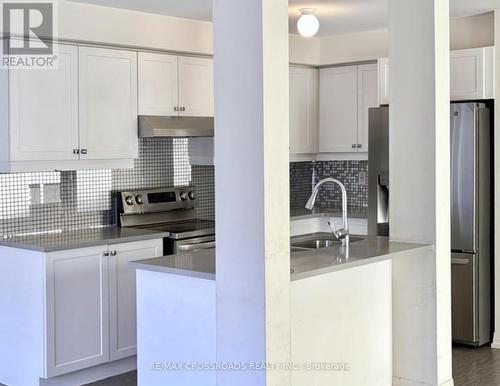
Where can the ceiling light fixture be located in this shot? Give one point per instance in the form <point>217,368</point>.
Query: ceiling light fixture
<point>308,23</point>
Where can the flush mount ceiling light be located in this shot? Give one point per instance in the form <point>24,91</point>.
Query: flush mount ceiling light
<point>308,23</point>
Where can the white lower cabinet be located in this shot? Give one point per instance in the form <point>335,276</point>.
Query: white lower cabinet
<point>77,310</point>
<point>91,305</point>
<point>122,304</point>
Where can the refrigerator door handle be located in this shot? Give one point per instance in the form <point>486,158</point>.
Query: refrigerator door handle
<point>459,261</point>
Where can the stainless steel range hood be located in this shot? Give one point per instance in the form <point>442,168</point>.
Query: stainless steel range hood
<point>163,126</point>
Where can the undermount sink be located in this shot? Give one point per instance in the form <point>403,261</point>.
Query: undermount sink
<point>322,243</point>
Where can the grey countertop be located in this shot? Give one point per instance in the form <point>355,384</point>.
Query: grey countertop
<point>199,264</point>
<point>304,263</point>
<point>59,241</point>
<point>303,213</point>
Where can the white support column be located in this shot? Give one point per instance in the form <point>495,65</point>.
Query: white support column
<point>420,189</point>
<point>252,192</point>
<point>496,336</point>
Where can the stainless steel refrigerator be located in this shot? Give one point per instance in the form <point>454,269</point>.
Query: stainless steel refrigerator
<point>470,223</point>
<point>378,171</point>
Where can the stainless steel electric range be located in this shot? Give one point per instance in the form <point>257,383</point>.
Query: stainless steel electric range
<point>171,210</point>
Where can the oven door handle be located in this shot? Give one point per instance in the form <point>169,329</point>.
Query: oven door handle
<point>195,247</point>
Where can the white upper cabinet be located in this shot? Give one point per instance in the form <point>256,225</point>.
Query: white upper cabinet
<point>80,115</point>
<point>108,103</point>
<point>303,110</point>
<point>338,109</point>
<point>471,74</point>
<point>346,95</point>
<point>158,84</point>
<point>175,85</point>
<point>383,81</point>
<point>367,98</point>
<point>196,87</point>
<point>44,111</point>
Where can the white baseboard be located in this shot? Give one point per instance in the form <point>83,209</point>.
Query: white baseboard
<point>396,381</point>
<point>496,342</point>
<point>93,374</point>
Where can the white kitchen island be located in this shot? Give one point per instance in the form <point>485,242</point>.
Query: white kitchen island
<point>341,331</point>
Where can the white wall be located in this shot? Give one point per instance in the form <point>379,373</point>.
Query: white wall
<point>107,25</point>
<point>304,50</point>
<point>472,32</point>
<point>496,337</point>
<point>98,24</point>
<point>354,47</point>
<point>467,32</point>
<point>124,27</point>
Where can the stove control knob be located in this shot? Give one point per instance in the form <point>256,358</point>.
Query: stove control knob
<point>139,199</point>
<point>129,200</point>
<point>183,196</point>
<point>192,195</point>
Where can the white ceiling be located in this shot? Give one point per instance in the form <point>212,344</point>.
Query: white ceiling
<point>335,16</point>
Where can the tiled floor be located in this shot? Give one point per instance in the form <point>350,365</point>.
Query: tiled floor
<point>471,367</point>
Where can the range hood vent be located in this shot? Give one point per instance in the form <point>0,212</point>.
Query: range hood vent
<point>163,126</point>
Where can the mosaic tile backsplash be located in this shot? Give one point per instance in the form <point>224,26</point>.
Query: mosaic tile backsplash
<point>304,175</point>
<point>86,196</point>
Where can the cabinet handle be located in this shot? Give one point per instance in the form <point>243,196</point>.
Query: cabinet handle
<point>105,253</point>
<point>113,253</point>
<point>359,145</point>
<point>354,146</point>
<point>176,108</point>
<point>83,151</point>
<point>183,109</point>
<point>76,151</point>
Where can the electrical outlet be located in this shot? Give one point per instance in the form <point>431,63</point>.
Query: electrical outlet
<point>362,179</point>
<point>51,193</point>
<point>35,194</point>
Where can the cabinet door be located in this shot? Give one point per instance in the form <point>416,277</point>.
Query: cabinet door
<point>383,81</point>
<point>44,110</point>
<point>196,87</point>
<point>367,98</point>
<point>76,310</point>
<point>303,110</point>
<point>157,84</point>
<point>122,304</point>
<point>467,74</point>
<point>338,122</point>
<point>108,103</point>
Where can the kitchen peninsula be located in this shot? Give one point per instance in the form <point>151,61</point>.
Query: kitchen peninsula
<point>341,314</point>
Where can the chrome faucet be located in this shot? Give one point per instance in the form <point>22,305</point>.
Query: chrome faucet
<point>340,234</point>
